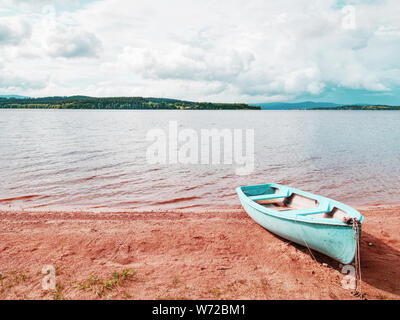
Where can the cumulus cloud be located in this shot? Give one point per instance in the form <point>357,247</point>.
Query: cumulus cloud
<point>25,2</point>
<point>13,81</point>
<point>229,50</point>
<point>187,63</point>
<point>69,42</point>
<point>276,49</point>
<point>13,31</point>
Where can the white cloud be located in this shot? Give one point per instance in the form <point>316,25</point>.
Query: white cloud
<point>207,50</point>
<point>68,42</point>
<point>186,63</point>
<point>13,31</point>
<point>12,81</point>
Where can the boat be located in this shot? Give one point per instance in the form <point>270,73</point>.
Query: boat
<point>317,222</point>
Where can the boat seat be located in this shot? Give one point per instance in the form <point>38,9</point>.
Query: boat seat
<point>308,211</point>
<point>280,194</point>
<point>323,207</point>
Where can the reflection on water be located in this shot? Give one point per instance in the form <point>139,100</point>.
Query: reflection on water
<point>96,160</point>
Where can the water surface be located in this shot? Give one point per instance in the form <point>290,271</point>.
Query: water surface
<point>95,160</point>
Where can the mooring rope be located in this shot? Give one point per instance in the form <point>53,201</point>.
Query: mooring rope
<point>302,235</point>
<point>357,261</point>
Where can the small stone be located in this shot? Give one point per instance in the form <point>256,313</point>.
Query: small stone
<point>325,264</point>
<point>370,244</point>
<point>224,268</point>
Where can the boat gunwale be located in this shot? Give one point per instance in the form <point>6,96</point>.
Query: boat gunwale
<point>287,215</point>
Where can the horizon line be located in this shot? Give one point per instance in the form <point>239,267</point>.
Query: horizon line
<point>10,96</point>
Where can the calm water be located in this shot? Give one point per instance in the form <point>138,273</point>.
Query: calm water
<point>96,160</point>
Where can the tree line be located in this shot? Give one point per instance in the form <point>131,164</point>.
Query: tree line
<point>118,103</point>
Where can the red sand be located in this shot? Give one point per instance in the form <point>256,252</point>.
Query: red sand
<point>184,256</point>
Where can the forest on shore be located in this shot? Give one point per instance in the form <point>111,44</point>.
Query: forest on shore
<point>118,103</point>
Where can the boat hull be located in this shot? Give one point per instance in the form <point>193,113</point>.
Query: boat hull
<point>336,241</point>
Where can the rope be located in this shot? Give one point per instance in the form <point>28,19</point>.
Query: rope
<point>356,227</point>
<point>302,235</point>
<point>357,261</point>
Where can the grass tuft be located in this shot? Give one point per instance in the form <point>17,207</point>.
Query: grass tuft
<point>100,286</point>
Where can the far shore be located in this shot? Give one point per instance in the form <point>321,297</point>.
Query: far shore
<point>167,255</point>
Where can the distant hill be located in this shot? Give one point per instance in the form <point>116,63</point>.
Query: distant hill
<point>360,107</point>
<point>13,96</point>
<point>295,105</point>
<point>117,103</point>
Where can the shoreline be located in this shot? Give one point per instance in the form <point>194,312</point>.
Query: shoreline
<point>206,210</point>
<point>184,255</point>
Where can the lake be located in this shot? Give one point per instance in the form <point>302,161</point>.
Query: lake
<point>95,160</point>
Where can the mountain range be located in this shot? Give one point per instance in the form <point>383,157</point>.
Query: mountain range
<point>295,105</point>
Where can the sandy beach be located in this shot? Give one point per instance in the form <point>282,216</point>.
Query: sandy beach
<point>166,255</point>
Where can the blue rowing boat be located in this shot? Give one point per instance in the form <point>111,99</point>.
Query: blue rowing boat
<point>319,223</point>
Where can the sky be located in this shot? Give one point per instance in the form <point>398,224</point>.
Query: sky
<point>221,51</point>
